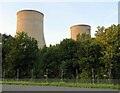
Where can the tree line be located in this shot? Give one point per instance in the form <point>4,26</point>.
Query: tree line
<point>85,58</point>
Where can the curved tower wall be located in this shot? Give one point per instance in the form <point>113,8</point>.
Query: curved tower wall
<point>79,29</point>
<point>31,22</point>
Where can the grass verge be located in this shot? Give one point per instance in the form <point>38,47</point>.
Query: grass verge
<point>64,84</point>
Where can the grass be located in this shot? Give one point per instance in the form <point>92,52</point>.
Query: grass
<point>64,84</point>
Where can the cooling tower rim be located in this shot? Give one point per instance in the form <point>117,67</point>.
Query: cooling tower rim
<point>30,10</point>
<point>80,25</point>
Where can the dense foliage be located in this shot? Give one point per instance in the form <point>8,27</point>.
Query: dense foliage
<point>85,58</point>
<point>19,55</point>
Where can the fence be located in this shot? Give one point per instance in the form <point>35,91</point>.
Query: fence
<point>96,81</point>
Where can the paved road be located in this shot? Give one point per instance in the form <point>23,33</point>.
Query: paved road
<point>49,88</point>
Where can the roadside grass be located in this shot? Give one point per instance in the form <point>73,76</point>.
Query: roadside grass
<point>63,84</point>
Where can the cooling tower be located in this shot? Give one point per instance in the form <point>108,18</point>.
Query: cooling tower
<point>79,29</point>
<point>31,22</point>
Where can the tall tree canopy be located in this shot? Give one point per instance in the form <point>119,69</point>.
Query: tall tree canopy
<point>20,55</point>
<point>85,58</point>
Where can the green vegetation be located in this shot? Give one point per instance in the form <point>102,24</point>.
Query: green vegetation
<point>19,54</point>
<point>64,84</point>
<point>86,58</point>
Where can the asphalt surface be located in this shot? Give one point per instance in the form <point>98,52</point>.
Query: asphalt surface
<point>49,88</point>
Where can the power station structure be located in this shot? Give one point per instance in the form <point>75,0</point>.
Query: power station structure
<point>31,22</point>
<point>79,29</point>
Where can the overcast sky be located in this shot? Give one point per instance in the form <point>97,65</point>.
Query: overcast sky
<point>60,16</point>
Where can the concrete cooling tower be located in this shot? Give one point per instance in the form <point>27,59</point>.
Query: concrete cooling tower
<point>31,22</point>
<point>79,29</point>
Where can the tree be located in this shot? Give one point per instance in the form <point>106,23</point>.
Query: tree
<point>108,38</point>
<point>85,58</point>
<point>69,57</point>
<point>22,56</point>
<point>89,56</point>
<point>7,42</point>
